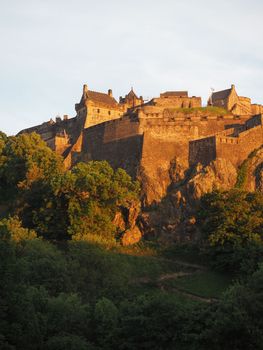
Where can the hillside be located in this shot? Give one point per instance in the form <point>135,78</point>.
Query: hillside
<point>70,278</point>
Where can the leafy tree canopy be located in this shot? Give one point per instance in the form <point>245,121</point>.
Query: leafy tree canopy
<point>231,224</point>
<point>234,217</point>
<point>24,159</point>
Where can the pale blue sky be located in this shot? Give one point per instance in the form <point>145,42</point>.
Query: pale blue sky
<point>50,48</point>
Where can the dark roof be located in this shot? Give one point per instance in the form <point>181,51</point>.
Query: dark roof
<point>100,97</point>
<point>132,94</point>
<point>175,93</point>
<point>220,95</point>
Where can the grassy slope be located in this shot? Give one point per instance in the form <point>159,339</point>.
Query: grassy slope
<point>201,110</point>
<point>153,273</point>
<point>208,284</point>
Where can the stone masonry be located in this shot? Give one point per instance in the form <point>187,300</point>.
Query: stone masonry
<point>146,138</point>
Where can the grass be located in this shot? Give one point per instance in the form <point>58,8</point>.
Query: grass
<point>187,252</point>
<point>144,264</point>
<point>202,110</point>
<point>149,267</point>
<point>208,284</point>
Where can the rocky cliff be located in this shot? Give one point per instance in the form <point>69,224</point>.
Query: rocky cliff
<point>174,217</point>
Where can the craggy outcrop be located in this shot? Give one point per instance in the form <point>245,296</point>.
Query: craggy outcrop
<point>126,222</point>
<point>250,176</point>
<point>174,217</point>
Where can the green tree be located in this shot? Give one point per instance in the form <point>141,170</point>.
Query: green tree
<point>24,159</point>
<point>66,314</point>
<point>43,264</point>
<point>12,229</point>
<point>80,202</point>
<point>236,321</point>
<point>232,222</point>
<point>106,320</point>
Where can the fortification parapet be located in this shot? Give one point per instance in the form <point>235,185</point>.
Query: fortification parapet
<point>234,144</point>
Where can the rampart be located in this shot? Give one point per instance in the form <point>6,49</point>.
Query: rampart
<point>234,144</point>
<point>118,141</point>
<point>145,138</point>
<point>237,149</point>
<point>146,144</point>
<point>177,102</point>
<point>160,138</point>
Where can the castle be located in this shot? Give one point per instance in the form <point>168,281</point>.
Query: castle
<point>145,137</point>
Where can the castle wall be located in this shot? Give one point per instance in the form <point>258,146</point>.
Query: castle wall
<point>254,121</point>
<point>59,143</point>
<point>160,148</point>
<point>256,109</point>
<point>202,151</point>
<point>223,145</point>
<point>164,141</point>
<point>189,126</point>
<point>231,100</point>
<point>118,142</point>
<point>97,114</point>
<point>237,149</point>
<point>215,125</point>
<point>148,145</point>
<point>177,102</point>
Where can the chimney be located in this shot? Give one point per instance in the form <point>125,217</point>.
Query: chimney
<point>110,92</point>
<point>232,86</point>
<point>85,89</point>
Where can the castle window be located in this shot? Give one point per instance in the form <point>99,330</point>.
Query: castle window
<point>109,113</point>
<point>98,110</point>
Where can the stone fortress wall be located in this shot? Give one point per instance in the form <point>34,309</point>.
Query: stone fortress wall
<point>234,144</point>
<point>145,138</point>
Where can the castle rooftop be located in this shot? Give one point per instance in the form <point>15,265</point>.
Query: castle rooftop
<point>174,94</point>
<point>98,98</point>
<point>220,95</point>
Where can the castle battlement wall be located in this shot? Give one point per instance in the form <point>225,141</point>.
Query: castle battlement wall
<point>146,138</point>
<point>234,144</point>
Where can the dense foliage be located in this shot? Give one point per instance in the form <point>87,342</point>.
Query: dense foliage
<point>60,204</point>
<point>79,296</point>
<point>60,290</point>
<point>232,227</point>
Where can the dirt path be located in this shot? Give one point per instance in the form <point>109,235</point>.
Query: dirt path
<point>181,263</point>
<point>175,275</point>
<point>188,294</point>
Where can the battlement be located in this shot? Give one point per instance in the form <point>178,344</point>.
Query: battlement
<point>135,135</point>
<point>145,138</point>
<point>234,144</point>
<point>176,100</point>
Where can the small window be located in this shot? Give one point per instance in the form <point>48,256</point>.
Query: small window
<point>109,112</point>
<point>98,110</point>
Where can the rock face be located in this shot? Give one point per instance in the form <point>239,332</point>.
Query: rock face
<point>253,172</point>
<point>126,222</point>
<point>174,217</point>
